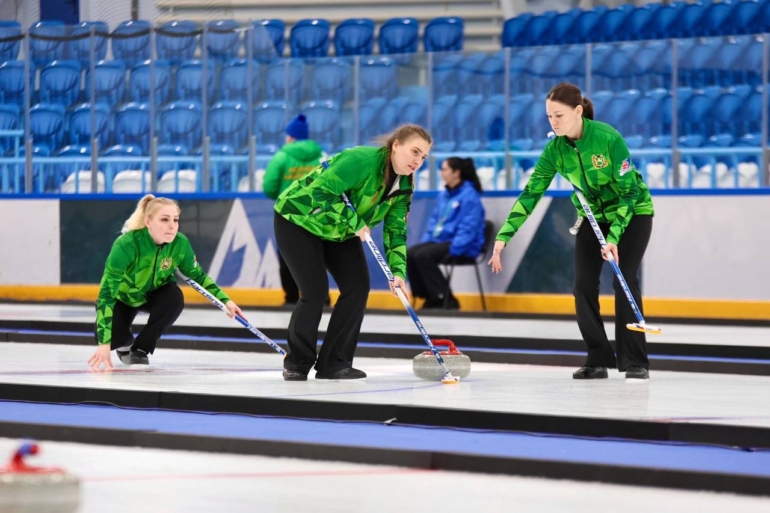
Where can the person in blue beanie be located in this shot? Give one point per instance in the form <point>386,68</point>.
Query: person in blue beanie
<point>299,156</point>
<point>455,229</point>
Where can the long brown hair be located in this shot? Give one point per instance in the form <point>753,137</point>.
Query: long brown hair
<point>146,207</point>
<point>570,94</point>
<point>402,134</point>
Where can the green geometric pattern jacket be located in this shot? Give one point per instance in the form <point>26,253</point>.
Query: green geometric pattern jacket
<point>137,266</point>
<point>315,202</point>
<point>600,166</point>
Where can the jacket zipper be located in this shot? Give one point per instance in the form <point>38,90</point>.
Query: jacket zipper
<point>155,266</point>
<point>585,177</point>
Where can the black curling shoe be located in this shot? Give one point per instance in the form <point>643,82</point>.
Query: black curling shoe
<point>292,375</point>
<point>635,372</point>
<point>346,373</point>
<point>590,373</point>
<point>137,357</point>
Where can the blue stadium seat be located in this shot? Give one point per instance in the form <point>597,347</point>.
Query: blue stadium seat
<point>189,81</point>
<point>9,49</point>
<point>369,117</point>
<point>221,173</point>
<point>609,66</point>
<point>744,18</point>
<point>444,34</point>
<point>444,76</point>
<point>9,120</point>
<point>541,69</point>
<point>560,27</point>
<point>660,26</point>
<point>377,78</point>
<point>750,63</point>
<point>354,36</point>
<point>122,150</point>
<point>80,49</point>
<point>518,114</point>
<point>469,77</point>
<point>601,101</point>
<point>139,83</point>
<point>715,20</point>
<point>42,179</point>
<point>537,29</point>
<point>228,124</point>
<point>633,27</point>
<point>696,68</point>
<point>234,80</point>
<point>539,127</point>
<point>687,22</point>
<point>609,28</point>
<point>491,74</point>
<point>493,108</point>
<point>309,38</point>
<point>267,40</point>
<point>570,66</point>
<point>177,41</point>
<point>727,61</point>
<point>82,132</point>
<point>331,79</point>
<point>180,124</point>
<point>621,113</point>
<point>12,82</point>
<point>60,83</point>
<point>725,112</point>
<point>132,126</point>
<point>413,111</point>
<point>647,65</point>
<point>109,82</point>
<point>46,50</point>
<point>646,120</point>
<point>443,125</point>
<point>693,115</point>
<point>519,70</point>
<point>63,170</point>
<point>584,30</point>
<point>468,133</point>
<point>323,121</point>
<point>275,80</point>
<point>399,36</point>
<point>46,125</point>
<point>270,120</point>
<point>515,29</point>
<point>131,42</point>
<point>223,40</point>
<point>172,150</point>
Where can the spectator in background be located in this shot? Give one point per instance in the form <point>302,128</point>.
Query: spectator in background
<point>455,229</point>
<point>294,160</point>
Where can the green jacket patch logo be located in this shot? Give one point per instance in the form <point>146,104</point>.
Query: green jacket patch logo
<point>599,161</point>
<point>166,264</point>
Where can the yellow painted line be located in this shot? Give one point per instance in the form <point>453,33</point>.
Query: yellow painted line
<point>543,304</point>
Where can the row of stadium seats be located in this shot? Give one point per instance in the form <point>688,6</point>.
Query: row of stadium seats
<point>178,41</point>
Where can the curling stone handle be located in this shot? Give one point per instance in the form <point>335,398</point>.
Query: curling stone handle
<point>443,342</point>
<point>25,449</point>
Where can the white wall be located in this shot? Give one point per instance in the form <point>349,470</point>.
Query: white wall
<point>30,252</point>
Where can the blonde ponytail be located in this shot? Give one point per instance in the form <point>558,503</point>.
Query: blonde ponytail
<point>145,208</point>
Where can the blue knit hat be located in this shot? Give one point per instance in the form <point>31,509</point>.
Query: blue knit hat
<point>298,128</point>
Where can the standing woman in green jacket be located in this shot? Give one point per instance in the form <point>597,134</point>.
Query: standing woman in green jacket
<point>594,158</point>
<point>316,232</point>
<point>139,275</point>
<point>299,156</point>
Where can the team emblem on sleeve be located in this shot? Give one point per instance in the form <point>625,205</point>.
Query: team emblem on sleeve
<point>625,166</point>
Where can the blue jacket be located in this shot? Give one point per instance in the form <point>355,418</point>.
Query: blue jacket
<point>458,218</point>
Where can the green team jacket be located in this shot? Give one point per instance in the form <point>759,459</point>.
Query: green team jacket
<point>137,266</point>
<point>291,163</point>
<point>315,202</point>
<point>600,166</point>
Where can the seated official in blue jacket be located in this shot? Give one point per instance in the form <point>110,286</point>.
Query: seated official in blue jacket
<point>455,229</point>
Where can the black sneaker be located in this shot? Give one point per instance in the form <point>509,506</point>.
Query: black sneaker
<point>292,375</point>
<point>137,357</point>
<point>346,373</point>
<point>637,372</point>
<point>590,373</point>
